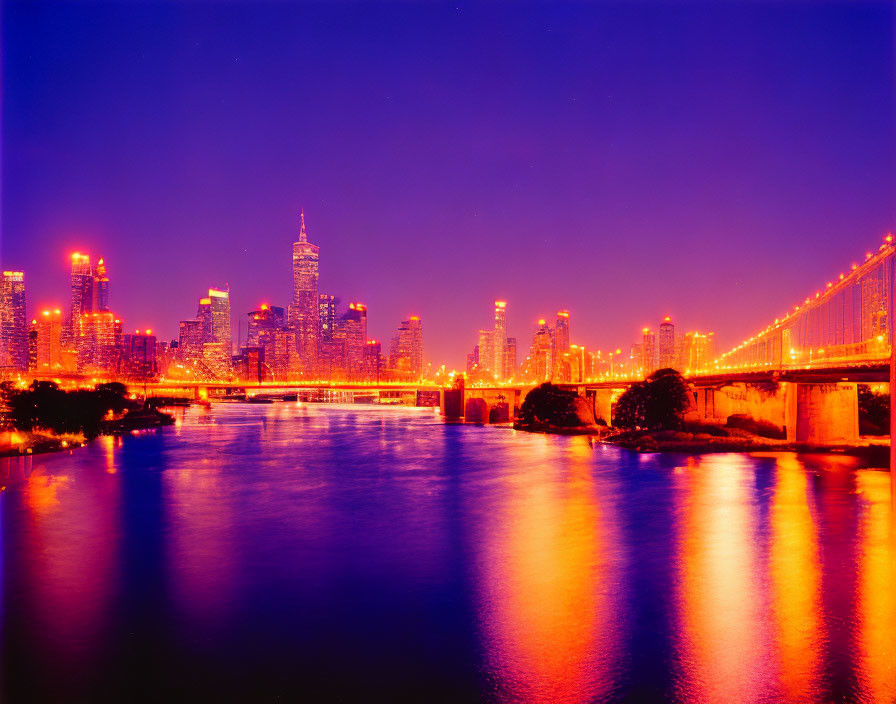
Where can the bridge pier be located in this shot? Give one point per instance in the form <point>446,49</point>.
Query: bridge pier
<point>823,413</point>
<point>603,404</point>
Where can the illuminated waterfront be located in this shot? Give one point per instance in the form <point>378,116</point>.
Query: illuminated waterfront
<point>339,553</point>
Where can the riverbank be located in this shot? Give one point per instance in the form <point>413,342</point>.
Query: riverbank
<point>14,443</point>
<point>875,454</point>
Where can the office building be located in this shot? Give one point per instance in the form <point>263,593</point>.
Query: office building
<point>13,322</point>
<point>304,311</point>
<point>49,357</point>
<point>648,351</point>
<point>499,341</point>
<point>510,361</point>
<point>327,305</point>
<point>666,344</point>
<point>406,350</point>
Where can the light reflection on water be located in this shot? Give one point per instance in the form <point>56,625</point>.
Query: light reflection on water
<point>362,554</point>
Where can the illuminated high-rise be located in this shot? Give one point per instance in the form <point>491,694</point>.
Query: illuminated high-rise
<point>220,318</point>
<point>500,340</point>
<point>648,351</point>
<point>13,322</point>
<point>204,316</point>
<point>561,332</point>
<point>139,355</point>
<point>190,340</point>
<point>510,363</point>
<point>100,286</point>
<point>96,340</point>
<point>667,344</point>
<point>213,315</point>
<point>541,356</point>
<point>697,352</point>
<point>263,321</point>
<point>49,341</point>
<point>406,353</point>
<point>327,305</point>
<point>81,295</point>
<point>351,330</point>
<point>373,360</point>
<point>560,369</point>
<point>487,352</point>
<point>284,360</point>
<point>32,345</point>
<point>304,313</point>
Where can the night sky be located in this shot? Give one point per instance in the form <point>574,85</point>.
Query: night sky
<point>715,162</point>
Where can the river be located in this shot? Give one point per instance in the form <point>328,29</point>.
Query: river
<point>361,554</point>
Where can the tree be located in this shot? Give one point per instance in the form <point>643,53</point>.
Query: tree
<point>552,406</point>
<point>630,410</point>
<point>874,411</point>
<point>657,403</point>
<point>45,406</point>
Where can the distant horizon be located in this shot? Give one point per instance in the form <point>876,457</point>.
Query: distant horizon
<point>715,163</point>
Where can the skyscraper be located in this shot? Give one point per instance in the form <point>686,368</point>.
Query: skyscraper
<point>561,332</point>
<point>262,322</point>
<point>96,340</point>
<point>487,344</point>
<point>81,295</point>
<point>541,356</point>
<point>189,346</point>
<point>648,351</point>
<point>697,352</point>
<point>373,360</point>
<point>667,343</point>
<point>13,322</point>
<point>406,353</point>
<point>139,355</point>
<point>100,298</point>
<point>49,341</point>
<point>204,316</point>
<point>352,330</point>
<point>327,306</point>
<point>220,318</point>
<point>510,362</point>
<point>500,340</point>
<point>304,312</point>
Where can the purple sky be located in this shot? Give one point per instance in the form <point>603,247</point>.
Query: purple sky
<point>716,162</point>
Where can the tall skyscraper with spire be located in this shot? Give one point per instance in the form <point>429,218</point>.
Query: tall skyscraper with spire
<point>304,311</point>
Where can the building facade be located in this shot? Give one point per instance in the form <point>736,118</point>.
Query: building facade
<point>13,322</point>
<point>304,312</point>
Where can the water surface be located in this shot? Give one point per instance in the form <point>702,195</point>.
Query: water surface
<point>332,553</point>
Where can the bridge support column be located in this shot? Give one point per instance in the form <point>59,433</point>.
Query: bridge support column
<point>603,403</point>
<point>822,413</point>
<point>453,402</point>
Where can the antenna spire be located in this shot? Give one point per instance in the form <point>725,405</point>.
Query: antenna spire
<point>302,236</point>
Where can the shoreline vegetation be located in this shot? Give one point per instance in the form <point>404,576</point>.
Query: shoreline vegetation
<point>44,418</point>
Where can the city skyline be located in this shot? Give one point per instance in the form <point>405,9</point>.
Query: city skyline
<point>89,294</point>
<point>591,192</point>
